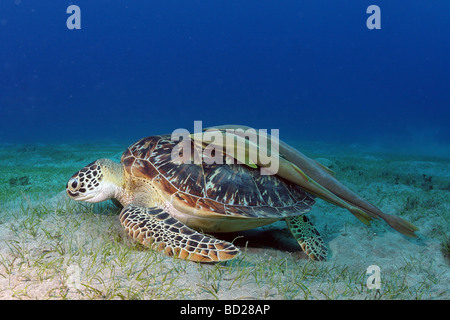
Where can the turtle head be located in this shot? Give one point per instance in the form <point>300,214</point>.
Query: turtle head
<point>98,181</point>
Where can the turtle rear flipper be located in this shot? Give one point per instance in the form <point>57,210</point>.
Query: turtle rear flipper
<point>157,229</point>
<point>308,237</point>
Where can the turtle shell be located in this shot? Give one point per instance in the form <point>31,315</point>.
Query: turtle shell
<point>213,190</point>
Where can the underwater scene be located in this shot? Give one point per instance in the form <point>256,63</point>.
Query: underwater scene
<point>224,150</point>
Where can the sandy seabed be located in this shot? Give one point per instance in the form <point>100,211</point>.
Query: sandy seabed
<point>54,248</point>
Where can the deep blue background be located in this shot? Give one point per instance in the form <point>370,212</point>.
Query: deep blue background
<point>310,68</point>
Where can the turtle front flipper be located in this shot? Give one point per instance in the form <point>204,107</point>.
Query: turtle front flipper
<point>157,229</point>
<point>308,237</point>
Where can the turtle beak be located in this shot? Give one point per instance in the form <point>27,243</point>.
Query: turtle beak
<point>83,198</point>
<point>75,189</point>
<point>72,187</point>
<point>71,194</point>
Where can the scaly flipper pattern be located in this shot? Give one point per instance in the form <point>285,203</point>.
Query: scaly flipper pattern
<point>307,237</point>
<point>156,229</point>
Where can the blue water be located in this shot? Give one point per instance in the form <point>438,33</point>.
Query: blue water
<point>309,68</point>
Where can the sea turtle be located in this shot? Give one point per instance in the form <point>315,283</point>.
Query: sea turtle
<point>170,206</point>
